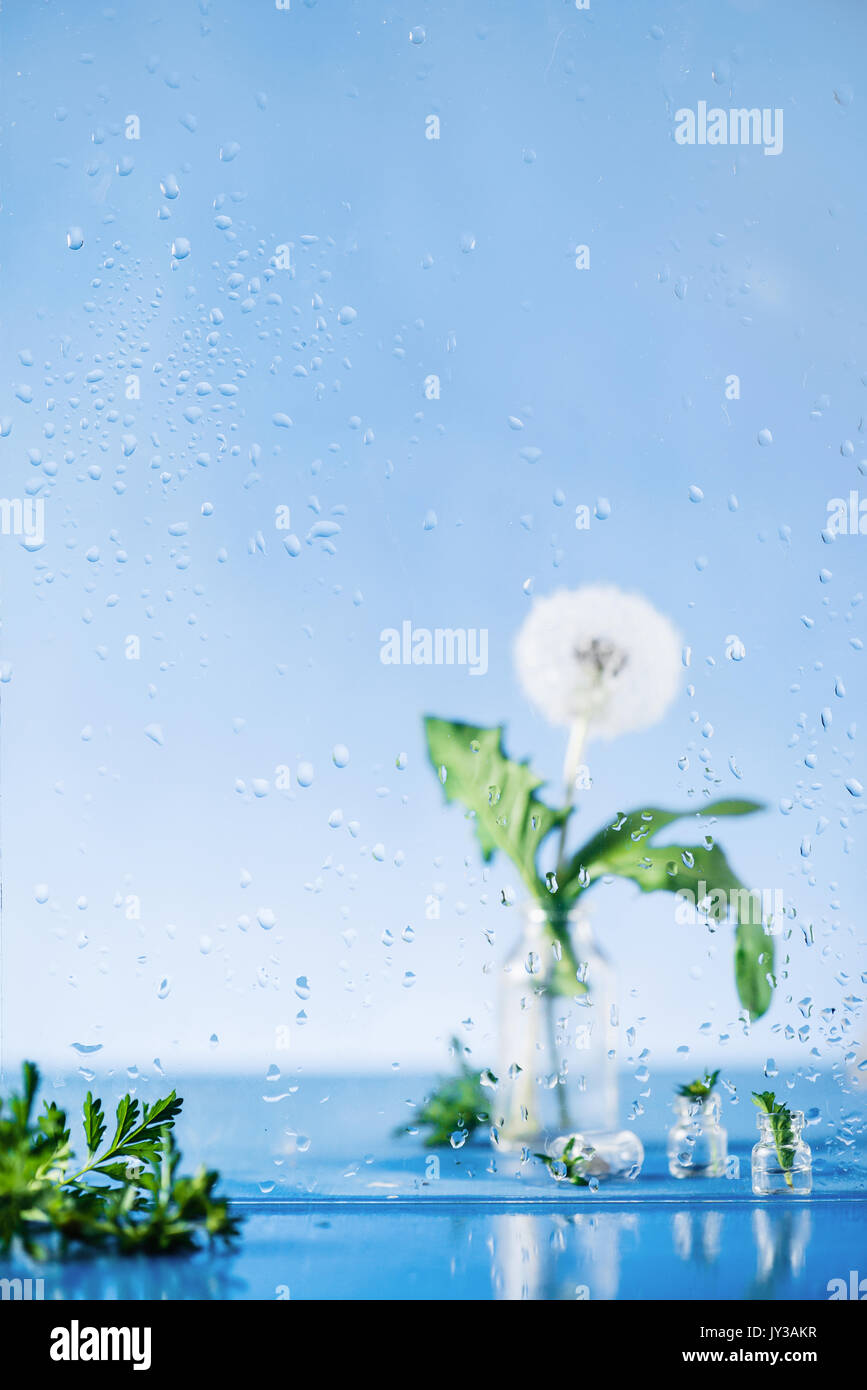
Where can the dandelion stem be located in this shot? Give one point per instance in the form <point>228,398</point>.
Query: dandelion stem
<point>571,764</point>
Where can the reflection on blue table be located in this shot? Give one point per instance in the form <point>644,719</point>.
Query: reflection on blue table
<point>677,1252</point>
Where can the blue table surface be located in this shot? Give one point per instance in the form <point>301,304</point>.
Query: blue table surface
<point>337,1206</point>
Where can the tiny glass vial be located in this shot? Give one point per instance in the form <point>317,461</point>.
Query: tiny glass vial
<point>697,1142</point>
<point>782,1163</point>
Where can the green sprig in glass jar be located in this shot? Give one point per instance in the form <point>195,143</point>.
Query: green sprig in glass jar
<point>782,1164</point>
<point>697,1142</point>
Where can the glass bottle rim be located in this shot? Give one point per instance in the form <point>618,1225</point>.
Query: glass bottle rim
<point>540,914</point>
<point>698,1104</point>
<point>796,1118</point>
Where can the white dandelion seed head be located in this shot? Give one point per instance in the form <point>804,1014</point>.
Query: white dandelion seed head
<point>601,656</point>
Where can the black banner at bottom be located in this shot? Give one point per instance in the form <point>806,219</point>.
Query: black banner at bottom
<point>59,1339</point>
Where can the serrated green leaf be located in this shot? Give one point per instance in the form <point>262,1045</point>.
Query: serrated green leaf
<point>765,1100</point>
<point>162,1112</point>
<point>118,1172</point>
<point>94,1123</point>
<point>499,793</point>
<point>127,1114</point>
<point>625,849</point>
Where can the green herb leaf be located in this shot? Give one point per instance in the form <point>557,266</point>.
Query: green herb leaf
<point>619,847</point>
<point>625,849</point>
<point>781,1128</point>
<point>499,794</point>
<point>569,1166</point>
<point>754,967</point>
<point>458,1103</point>
<point>701,1088</point>
<point>22,1105</point>
<point>94,1124</point>
<point>137,1139</point>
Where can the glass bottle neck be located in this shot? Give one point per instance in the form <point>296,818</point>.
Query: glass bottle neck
<point>707,1108</point>
<point>769,1127</point>
<point>539,922</point>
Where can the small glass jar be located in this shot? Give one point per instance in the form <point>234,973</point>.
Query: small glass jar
<point>697,1142</point>
<point>782,1162</point>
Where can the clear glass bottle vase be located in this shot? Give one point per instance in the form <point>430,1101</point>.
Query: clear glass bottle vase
<point>782,1164</point>
<point>697,1142</point>
<point>558,1033</point>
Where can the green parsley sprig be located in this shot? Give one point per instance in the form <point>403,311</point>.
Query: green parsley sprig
<point>457,1104</point>
<point>127,1196</point>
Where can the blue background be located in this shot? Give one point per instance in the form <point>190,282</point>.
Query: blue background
<point>458,256</point>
